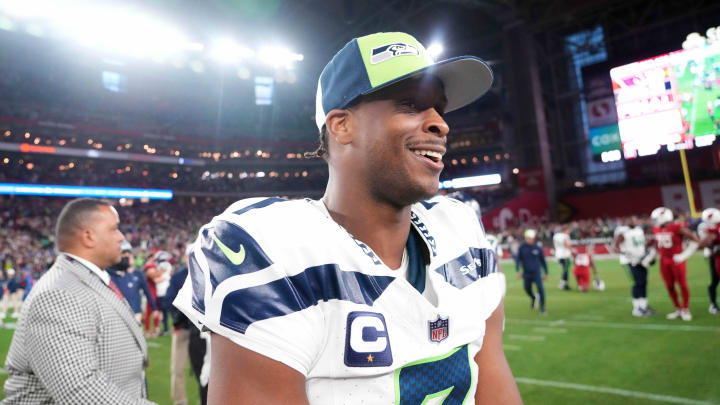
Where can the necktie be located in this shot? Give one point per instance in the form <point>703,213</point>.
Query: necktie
<point>116,290</point>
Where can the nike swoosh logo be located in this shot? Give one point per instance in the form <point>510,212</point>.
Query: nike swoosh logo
<point>234,257</point>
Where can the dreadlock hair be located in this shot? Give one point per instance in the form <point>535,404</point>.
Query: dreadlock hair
<point>322,149</point>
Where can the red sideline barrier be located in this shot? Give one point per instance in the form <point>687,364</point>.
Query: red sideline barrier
<point>529,208</point>
<point>598,249</point>
<point>625,202</point>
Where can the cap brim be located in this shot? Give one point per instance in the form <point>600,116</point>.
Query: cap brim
<point>465,79</point>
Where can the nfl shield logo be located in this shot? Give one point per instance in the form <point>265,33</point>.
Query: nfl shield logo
<point>439,329</point>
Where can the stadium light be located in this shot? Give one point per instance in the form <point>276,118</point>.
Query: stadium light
<point>435,49</point>
<point>474,181</point>
<point>28,8</point>
<point>227,51</point>
<point>114,29</point>
<point>278,57</point>
<point>197,66</point>
<point>128,30</point>
<point>243,73</point>
<point>77,191</point>
<point>6,24</point>
<point>194,46</point>
<point>124,32</point>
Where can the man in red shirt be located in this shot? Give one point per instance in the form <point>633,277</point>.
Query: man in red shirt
<point>669,236</point>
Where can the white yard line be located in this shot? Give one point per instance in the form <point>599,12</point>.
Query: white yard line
<point>594,295</point>
<point>154,344</point>
<point>512,347</point>
<point>3,371</point>
<point>589,317</point>
<point>614,391</point>
<point>618,325</point>
<point>527,337</point>
<point>549,330</point>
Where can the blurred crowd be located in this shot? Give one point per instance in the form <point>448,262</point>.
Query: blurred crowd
<point>584,229</point>
<point>38,169</point>
<point>27,229</point>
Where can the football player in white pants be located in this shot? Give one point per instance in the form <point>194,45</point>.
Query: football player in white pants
<point>622,257</point>
<point>632,244</point>
<point>379,293</point>
<point>563,254</point>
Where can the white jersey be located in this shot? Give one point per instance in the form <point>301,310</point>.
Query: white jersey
<point>283,279</point>
<point>560,239</point>
<point>618,231</point>
<point>633,246</point>
<point>495,245</point>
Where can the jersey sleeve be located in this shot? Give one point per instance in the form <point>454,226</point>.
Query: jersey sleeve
<point>494,284</point>
<point>702,230</point>
<point>236,289</point>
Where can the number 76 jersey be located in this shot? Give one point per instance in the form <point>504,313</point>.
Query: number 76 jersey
<point>669,239</point>
<point>281,278</point>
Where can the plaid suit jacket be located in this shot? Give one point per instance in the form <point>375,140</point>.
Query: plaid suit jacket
<point>76,343</point>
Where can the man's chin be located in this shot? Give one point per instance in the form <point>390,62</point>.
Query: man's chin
<point>424,193</point>
<point>431,190</point>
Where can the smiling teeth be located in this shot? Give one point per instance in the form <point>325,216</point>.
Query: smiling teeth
<point>429,153</point>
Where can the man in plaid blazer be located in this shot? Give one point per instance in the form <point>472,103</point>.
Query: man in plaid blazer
<point>77,341</point>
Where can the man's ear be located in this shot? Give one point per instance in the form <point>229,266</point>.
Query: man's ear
<point>87,238</point>
<point>339,126</point>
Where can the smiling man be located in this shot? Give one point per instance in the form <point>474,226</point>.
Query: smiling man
<point>379,293</point>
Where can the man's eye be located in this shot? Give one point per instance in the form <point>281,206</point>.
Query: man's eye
<point>408,105</point>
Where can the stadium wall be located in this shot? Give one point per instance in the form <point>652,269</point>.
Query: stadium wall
<point>530,208</point>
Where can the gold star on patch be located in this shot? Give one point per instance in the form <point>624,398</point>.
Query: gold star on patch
<point>370,358</point>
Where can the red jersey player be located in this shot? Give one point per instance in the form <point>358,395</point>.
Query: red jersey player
<point>669,237</point>
<point>583,262</point>
<point>709,231</point>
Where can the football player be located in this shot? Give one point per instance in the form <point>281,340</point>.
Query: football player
<point>582,259</point>
<point>709,231</point>
<point>531,258</point>
<point>669,237</point>
<point>622,257</point>
<point>633,245</point>
<point>561,242</point>
<point>376,293</point>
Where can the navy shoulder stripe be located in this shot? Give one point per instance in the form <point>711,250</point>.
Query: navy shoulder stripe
<point>230,251</point>
<point>428,204</point>
<point>292,294</point>
<point>469,267</point>
<point>198,283</point>
<point>260,204</point>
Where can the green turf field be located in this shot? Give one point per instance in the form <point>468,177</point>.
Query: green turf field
<point>590,341</point>
<point>694,84</point>
<point>587,350</point>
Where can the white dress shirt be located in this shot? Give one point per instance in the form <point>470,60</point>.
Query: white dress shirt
<point>104,276</point>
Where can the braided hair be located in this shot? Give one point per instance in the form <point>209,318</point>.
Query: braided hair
<point>322,149</point>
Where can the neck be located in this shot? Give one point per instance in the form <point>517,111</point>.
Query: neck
<point>382,226</point>
<point>83,254</point>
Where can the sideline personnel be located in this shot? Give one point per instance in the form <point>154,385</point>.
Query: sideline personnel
<point>77,341</point>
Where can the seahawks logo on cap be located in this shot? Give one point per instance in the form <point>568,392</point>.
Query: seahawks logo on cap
<point>385,52</point>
